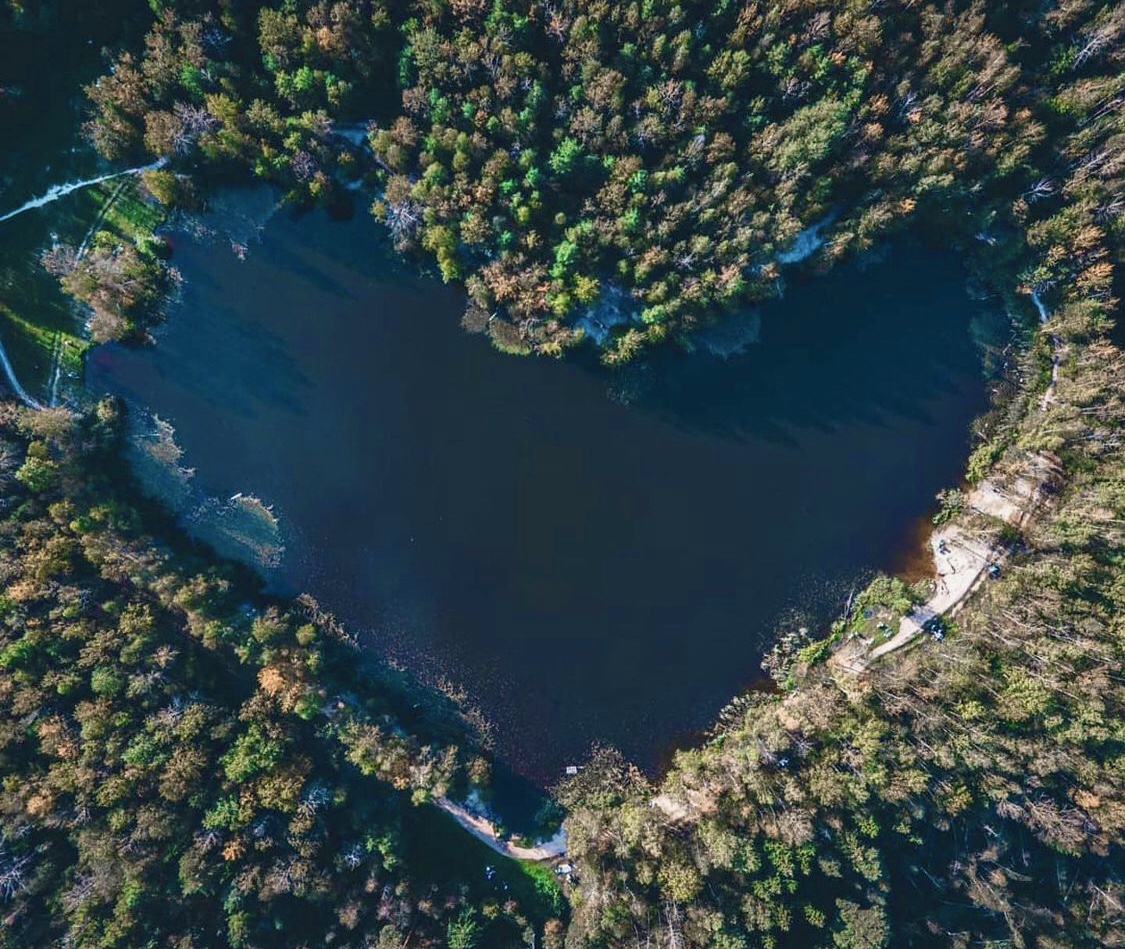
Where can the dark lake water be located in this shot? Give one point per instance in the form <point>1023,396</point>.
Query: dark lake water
<point>590,570</point>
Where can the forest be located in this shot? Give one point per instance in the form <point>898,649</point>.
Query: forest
<point>185,762</point>
<point>967,793</point>
<point>628,171</point>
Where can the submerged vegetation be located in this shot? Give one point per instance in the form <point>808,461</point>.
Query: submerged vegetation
<point>183,764</point>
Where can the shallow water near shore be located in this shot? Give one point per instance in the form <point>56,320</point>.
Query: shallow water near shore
<point>594,556</point>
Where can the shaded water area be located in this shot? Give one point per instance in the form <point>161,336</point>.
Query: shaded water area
<point>594,556</point>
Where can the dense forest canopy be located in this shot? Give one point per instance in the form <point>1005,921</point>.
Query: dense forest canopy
<point>184,764</point>
<point>969,793</point>
<point>625,171</point>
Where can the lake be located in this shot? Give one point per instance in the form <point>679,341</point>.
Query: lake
<point>593,556</point>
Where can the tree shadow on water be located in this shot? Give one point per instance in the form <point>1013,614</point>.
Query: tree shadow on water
<point>854,347</point>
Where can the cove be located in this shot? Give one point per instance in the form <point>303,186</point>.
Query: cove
<point>594,556</point>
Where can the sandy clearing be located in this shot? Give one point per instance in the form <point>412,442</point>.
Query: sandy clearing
<point>485,831</point>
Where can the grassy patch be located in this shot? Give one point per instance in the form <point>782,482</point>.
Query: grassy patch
<point>115,206</point>
<point>33,347</point>
<point>47,339</point>
<point>37,320</point>
<point>440,854</point>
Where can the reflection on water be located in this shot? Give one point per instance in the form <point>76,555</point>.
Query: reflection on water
<point>590,567</point>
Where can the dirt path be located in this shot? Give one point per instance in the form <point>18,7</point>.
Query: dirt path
<point>485,831</point>
<point>14,383</point>
<point>60,191</point>
<point>961,564</point>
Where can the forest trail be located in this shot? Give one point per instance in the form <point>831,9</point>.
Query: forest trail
<point>14,383</point>
<point>53,194</point>
<point>59,191</point>
<point>485,831</point>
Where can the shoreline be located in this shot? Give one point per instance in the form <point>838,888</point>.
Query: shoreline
<point>485,831</point>
<point>961,560</point>
<point>919,561</point>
